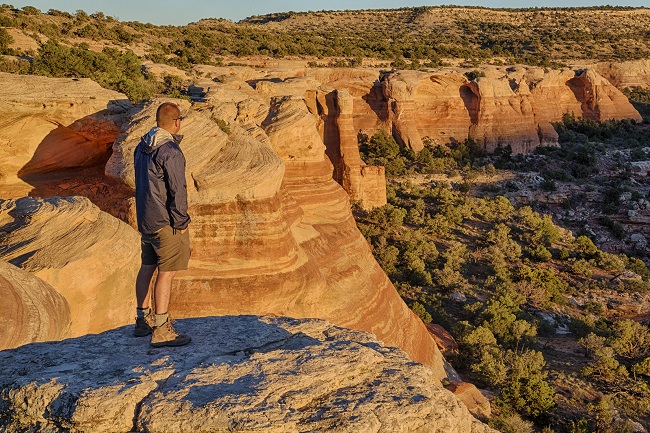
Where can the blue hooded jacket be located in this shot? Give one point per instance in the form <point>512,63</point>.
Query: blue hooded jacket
<point>160,186</point>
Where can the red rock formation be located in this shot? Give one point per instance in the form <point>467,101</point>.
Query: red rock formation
<point>364,183</point>
<point>504,107</point>
<point>599,99</point>
<point>504,114</point>
<point>31,309</point>
<point>277,237</point>
<point>475,401</point>
<point>445,341</point>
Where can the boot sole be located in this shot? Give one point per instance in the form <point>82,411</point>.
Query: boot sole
<point>171,343</point>
<point>141,333</point>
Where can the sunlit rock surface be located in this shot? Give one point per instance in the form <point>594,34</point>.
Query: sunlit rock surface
<point>89,257</point>
<point>244,373</point>
<point>31,309</point>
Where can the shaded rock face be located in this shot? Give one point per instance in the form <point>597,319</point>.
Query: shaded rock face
<point>31,309</point>
<point>246,373</point>
<point>89,257</point>
<point>53,123</point>
<point>272,232</point>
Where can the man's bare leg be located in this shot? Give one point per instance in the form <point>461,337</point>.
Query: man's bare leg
<point>143,285</point>
<point>162,291</point>
<point>164,333</point>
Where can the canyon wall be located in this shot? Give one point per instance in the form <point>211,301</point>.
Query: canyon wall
<point>267,152</point>
<point>495,106</point>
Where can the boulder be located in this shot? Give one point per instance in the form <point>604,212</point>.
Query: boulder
<point>243,373</point>
<point>88,256</point>
<point>445,341</point>
<point>473,399</point>
<point>31,309</point>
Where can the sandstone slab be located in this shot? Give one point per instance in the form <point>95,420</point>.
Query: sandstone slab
<point>31,309</point>
<point>88,256</point>
<point>243,373</point>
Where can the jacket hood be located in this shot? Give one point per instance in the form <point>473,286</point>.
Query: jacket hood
<point>156,137</point>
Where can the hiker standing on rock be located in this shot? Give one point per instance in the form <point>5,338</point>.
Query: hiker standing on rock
<point>161,207</point>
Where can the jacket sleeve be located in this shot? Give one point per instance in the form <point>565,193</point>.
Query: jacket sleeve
<point>174,171</point>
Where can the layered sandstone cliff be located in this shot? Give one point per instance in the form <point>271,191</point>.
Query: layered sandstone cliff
<point>243,373</point>
<point>272,232</point>
<point>634,73</point>
<point>500,107</point>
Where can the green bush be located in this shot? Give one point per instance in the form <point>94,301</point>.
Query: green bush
<point>421,312</point>
<point>110,68</point>
<point>5,40</point>
<point>540,254</point>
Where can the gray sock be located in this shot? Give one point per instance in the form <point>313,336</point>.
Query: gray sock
<point>143,312</point>
<point>160,319</point>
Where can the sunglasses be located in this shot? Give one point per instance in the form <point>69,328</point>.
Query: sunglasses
<point>180,118</point>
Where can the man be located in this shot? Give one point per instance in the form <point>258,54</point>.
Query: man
<point>161,207</point>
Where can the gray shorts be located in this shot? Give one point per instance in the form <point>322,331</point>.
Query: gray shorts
<point>168,248</point>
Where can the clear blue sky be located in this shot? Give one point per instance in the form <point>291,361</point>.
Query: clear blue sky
<point>178,12</point>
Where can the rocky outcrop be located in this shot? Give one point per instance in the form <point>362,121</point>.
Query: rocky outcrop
<point>88,256</point>
<point>31,309</point>
<point>599,99</point>
<point>53,123</point>
<point>246,373</point>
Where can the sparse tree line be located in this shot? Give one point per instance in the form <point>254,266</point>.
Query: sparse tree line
<point>396,39</point>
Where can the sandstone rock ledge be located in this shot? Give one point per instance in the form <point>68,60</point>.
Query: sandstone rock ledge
<point>240,373</point>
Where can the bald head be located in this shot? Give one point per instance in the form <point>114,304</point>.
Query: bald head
<point>167,115</point>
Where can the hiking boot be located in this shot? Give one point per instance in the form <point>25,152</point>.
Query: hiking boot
<point>165,335</point>
<point>143,326</point>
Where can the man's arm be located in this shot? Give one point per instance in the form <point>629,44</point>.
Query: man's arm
<point>174,171</point>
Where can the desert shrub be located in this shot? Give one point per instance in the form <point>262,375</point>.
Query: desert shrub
<point>638,266</point>
<point>539,229</point>
<point>582,267</point>
<point>642,367</point>
<point>110,68</point>
<point>584,247</point>
<point>580,426</point>
<point>421,312</point>
<point>605,367</point>
<point>592,344</point>
<point>500,317</point>
<point>388,216</point>
<point>5,40</point>
<point>527,390</point>
<point>511,423</point>
<point>629,339</point>
<point>540,254</point>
